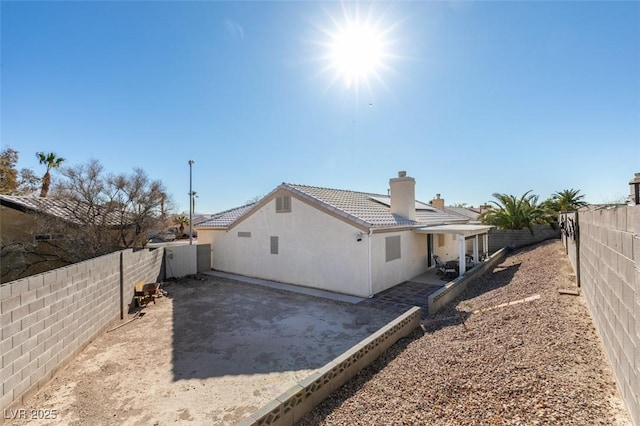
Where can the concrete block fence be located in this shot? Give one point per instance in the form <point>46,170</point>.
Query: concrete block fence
<point>499,238</point>
<point>603,246</point>
<point>47,319</point>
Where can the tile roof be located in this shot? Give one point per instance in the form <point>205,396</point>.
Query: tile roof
<point>370,210</point>
<point>69,210</point>
<point>225,218</point>
<point>461,211</point>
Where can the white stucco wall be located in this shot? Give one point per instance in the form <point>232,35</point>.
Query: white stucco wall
<point>315,249</point>
<point>450,249</point>
<point>180,260</point>
<point>413,260</point>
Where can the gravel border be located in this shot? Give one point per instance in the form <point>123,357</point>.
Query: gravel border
<point>539,361</point>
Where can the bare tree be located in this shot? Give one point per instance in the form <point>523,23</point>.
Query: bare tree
<point>90,213</point>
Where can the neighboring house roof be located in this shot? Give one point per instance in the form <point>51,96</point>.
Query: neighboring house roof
<point>200,218</point>
<point>370,210</point>
<point>225,218</point>
<point>69,210</point>
<point>461,211</point>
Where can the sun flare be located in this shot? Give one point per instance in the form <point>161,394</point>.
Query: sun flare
<point>356,52</point>
<point>357,47</point>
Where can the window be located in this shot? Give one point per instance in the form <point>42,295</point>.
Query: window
<point>47,237</point>
<point>440,240</point>
<point>283,204</point>
<point>242,234</point>
<point>274,245</point>
<point>392,248</point>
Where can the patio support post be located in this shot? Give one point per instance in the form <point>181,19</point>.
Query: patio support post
<point>485,244</point>
<point>475,250</point>
<point>462,264</point>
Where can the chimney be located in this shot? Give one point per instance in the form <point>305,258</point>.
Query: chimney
<point>634,196</point>
<point>403,195</point>
<point>438,202</point>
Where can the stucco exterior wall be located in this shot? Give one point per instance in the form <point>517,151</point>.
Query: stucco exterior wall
<point>181,261</point>
<point>412,261</point>
<point>17,226</point>
<point>449,251</point>
<point>315,249</point>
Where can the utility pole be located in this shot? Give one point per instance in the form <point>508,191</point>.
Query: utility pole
<point>190,202</point>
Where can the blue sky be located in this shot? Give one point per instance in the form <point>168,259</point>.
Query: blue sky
<point>470,98</point>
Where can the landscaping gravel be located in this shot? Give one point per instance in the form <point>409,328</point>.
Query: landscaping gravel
<point>536,362</point>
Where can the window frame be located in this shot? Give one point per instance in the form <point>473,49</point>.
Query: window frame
<point>283,204</point>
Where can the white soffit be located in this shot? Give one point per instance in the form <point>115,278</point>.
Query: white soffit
<point>464,229</point>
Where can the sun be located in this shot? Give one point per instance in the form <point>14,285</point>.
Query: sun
<point>356,52</point>
<point>357,47</point>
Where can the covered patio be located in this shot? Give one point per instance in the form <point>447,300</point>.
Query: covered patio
<point>463,232</point>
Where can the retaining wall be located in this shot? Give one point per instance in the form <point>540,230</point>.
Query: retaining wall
<point>452,289</point>
<point>604,249</point>
<point>301,398</point>
<point>499,238</point>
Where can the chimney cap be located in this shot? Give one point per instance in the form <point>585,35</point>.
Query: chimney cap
<point>402,173</point>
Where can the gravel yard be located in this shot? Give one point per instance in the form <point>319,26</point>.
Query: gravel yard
<point>535,362</point>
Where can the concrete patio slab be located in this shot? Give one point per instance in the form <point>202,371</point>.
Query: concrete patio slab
<point>212,352</point>
<point>289,287</point>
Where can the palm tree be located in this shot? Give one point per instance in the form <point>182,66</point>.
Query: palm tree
<point>566,200</point>
<point>511,212</point>
<point>182,221</point>
<point>52,162</point>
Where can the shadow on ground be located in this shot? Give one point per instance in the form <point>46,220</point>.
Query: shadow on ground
<point>223,327</point>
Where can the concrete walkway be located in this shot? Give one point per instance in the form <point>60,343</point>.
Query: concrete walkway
<point>289,287</point>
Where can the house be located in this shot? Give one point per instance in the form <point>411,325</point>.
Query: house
<point>470,213</point>
<point>39,234</point>
<point>338,240</point>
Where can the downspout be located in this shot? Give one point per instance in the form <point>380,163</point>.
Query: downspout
<point>370,264</point>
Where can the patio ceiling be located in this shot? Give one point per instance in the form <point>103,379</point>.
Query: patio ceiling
<point>462,229</point>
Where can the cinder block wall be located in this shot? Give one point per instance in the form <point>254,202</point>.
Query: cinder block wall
<point>47,319</point>
<point>142,265</point>
<point>608,265</point>
<point>520,237</point>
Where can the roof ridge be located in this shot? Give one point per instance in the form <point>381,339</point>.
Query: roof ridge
<point>334,189</point>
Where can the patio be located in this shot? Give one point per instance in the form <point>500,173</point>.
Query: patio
<point>212,352</point>
<point>414,292</point>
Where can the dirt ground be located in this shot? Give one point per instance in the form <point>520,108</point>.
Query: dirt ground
<point>212,352</point>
